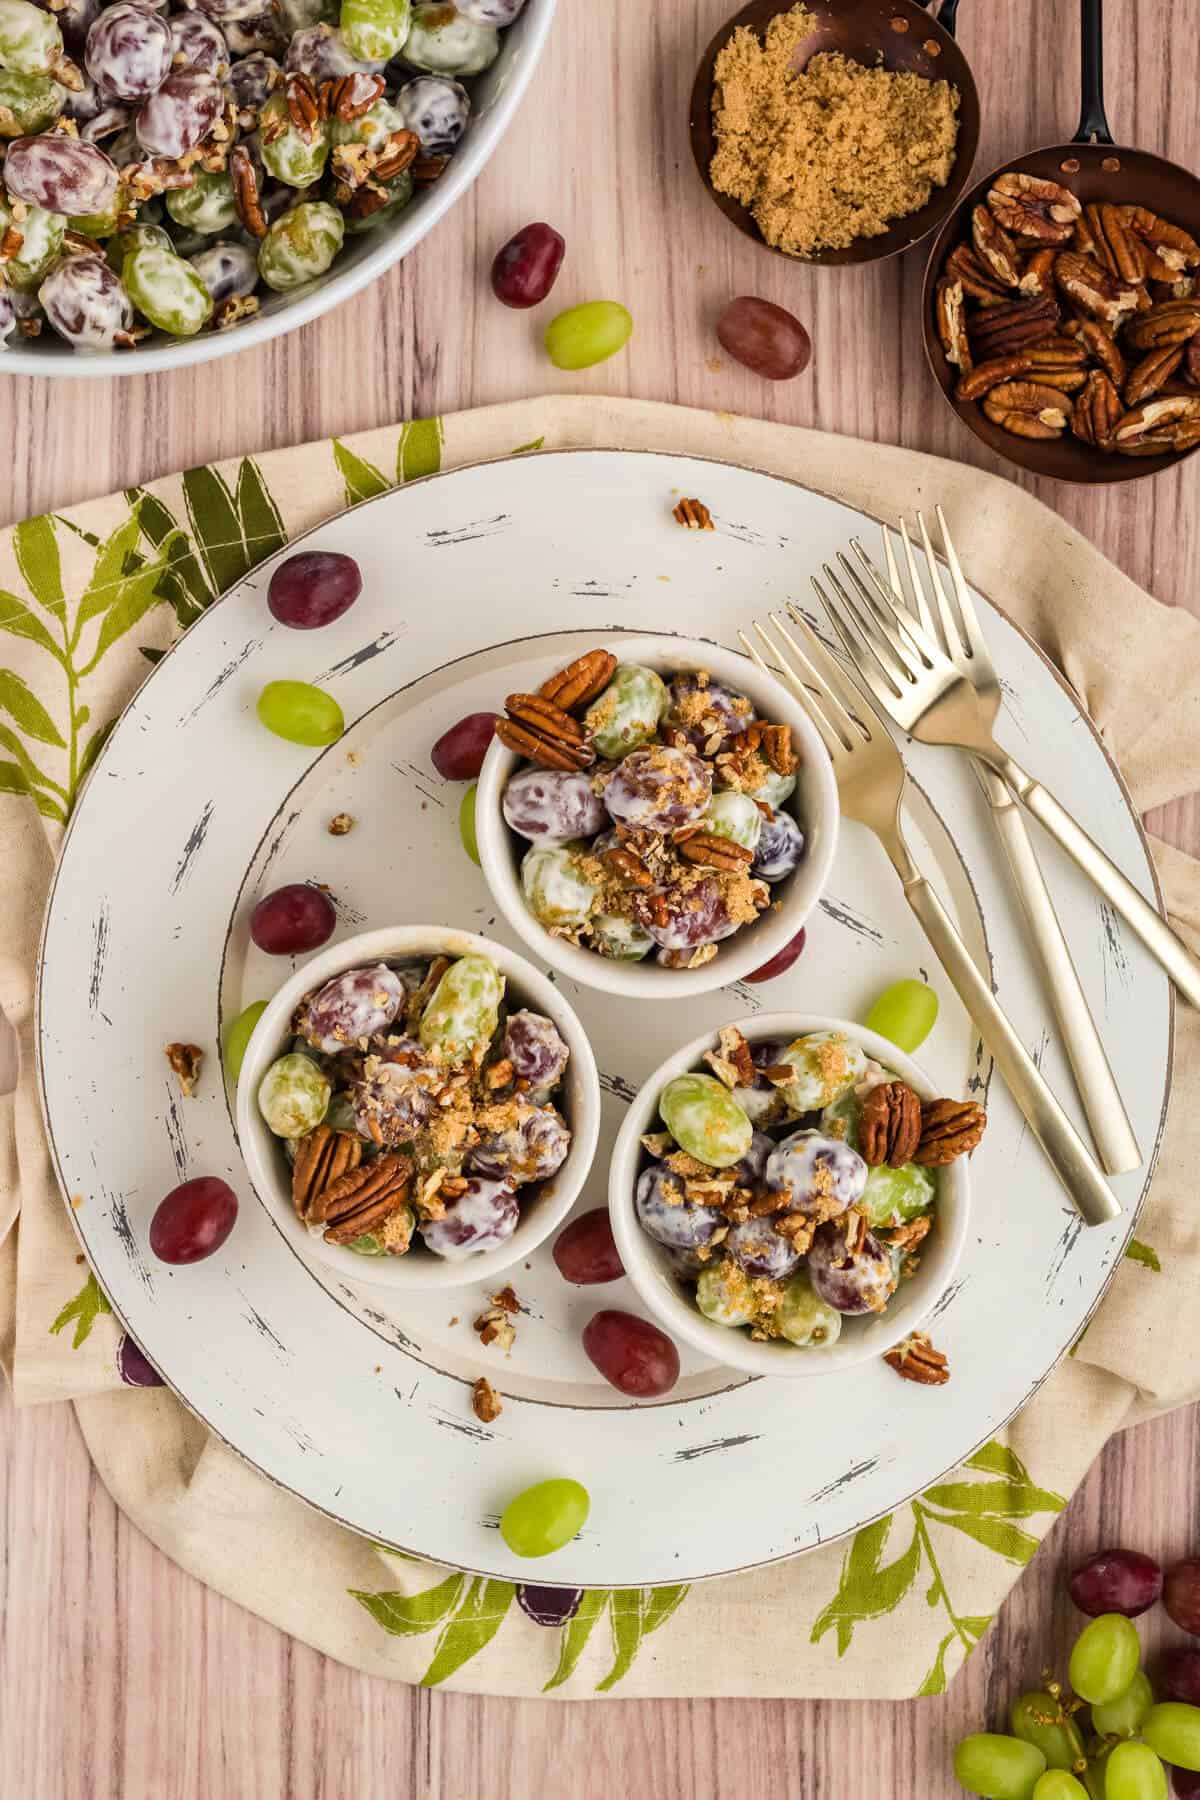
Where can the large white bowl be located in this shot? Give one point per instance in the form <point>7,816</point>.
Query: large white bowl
<point>815,802</point>
<point>648,1266</point>
<point>544,1206</point>
<point>495,97</point>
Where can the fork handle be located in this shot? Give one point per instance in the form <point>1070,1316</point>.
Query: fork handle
<point>1111,1130</point>
<point>1065,1149</point>
<point>1165,945</point>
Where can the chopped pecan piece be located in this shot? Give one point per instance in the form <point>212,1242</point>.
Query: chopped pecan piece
<point>428,169</point>
<point>543,732</point>
<point>731,1061</point>
<point>917,1360</point>
<point>507,1300</point>
<point>995,248</point>
<point>1037,211</point>
<point>486,1403</point>
<point>1151,375</point>
<point>890,1129</point>
<point>185,1060</point>
<point>1191,361</point>
<point>629,866</point>
<point>951,323</point>
<point>949,1129</point>
<point>1097,409</point>
<point>907,1236</point>
<point>1088,285</point>
<point>244,180</point>
<point>350,96</point>
<point>398,154</point>
<point>495,1327</point>
<point>340,824</point>
<point>1027,409</point>
<point>776,743</point>
<point>1171,322</point>
<point>694,515</point>
<point>580,682</point>
<point>711,851</point>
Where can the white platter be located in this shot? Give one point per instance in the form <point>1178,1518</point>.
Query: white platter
<point>357,1398</point>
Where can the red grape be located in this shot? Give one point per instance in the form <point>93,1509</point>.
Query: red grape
<point>133,1367</point>
<point>1116,1581</point>
<point>526,268</point>
<point>458,754</point>
<point>782,960</point>
<point>1179,1675</point>
<point>586,1252</point>
<point>635,1356</point>
<point>768,340</point>
<point>1181,1594</point>
<point>194,1220</point>
<point>314,588</point>
<point>293,919</point>
<point>1186,1783</point>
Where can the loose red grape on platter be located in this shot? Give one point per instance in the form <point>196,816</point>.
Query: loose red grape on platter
<point>193,1220</point>
<point>458,754</point>
<point>293,919</point>
<point>631,1353</point>
<point>313,589</point>
<point>585,1252</point>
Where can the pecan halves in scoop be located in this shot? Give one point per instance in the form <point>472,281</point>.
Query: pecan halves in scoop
<point>995,248</point>
<point>580,682</point>
<point>952,323</point>
<point>987,375</point>
<point>1170,423</point>
<point>1171,322</point>
<point>1097,409</point>
<point>1099,341</point>
<point>1088,285</point>
<point>243,177</point>
<point>890,1128</point>
<point>1013,325</point>
<point>543,732</point>
<point>1039,211</point>
<point>1151,375</point>
<point>949,1129</point>
<point>964,264</point>
<point>1169,243</point>
<point>1027,409</point>
<point>1116,246</point>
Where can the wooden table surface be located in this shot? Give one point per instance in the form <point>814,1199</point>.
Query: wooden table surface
<point>120,1677</point>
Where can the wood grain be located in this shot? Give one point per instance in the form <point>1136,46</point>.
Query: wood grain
<point>121,1678</point>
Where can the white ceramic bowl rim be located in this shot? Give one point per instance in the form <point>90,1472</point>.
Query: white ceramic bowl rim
<point>645,1261</point>
<point>263,1157</point>
<point>746,950</point>
<point>522,45</point>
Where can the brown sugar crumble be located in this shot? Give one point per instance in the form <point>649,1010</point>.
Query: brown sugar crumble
<point>831,152</point>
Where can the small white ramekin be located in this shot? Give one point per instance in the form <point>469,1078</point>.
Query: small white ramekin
<point>542,1207</point>
<point>815,803</point>
<point>862,1337</point>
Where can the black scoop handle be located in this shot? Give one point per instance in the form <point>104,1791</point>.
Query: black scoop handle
<point>1093,124</point>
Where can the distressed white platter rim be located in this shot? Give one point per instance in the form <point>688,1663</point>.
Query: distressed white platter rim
<point>317,1389</point>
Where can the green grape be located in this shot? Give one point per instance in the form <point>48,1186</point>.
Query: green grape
<point>999,1768</point>
<point>466,824</point>
<point>1133,1772</point>
<point>293,1096</point>
<point>300,713</point>
<point>166,290</point>
<point>41,240</point>
<point>30,40</point>
<point>1105,1659</point>
<point>464,1010</point>
<point>28,103</point>
<point>1056,1784</point>
<point>623,940</point>
<point>544,1517</point>
<point>626,715</point>
<point>443,41</point>
<point>207,206</point>
<point>587,334</point>
<point>735,816</point>
<point>827,1064</point>
<point>705,1120</point>
<point>893,1196</point>
<point>774,789</point>
<point>371,129</point>
<point>301,245</point>
<point>1124,1716</point>
<point>375,30</point>
<point>292,156</point>
<point>724,1293</point>
<point>803,1318</point>
<point>1173,1731</point>
<point>133,238</point>
<point>558,890</point>
<point>905,1014</point>
<point>237,1038</point>
<point>103,224</point>
<point>1039,1719</point>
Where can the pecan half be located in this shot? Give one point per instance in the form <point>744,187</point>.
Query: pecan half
<point>977,381</point>
<point>776,744</point>
<point>580,682</point>
<point>1056,352</point>
<point>1013,325</point>
<point>1170,243</point>
<point>907,1236</point>
<point>1103,346</point>
<point>995,248</point>
<point>185,1060</point>
<point>10,243</point>
<point>1088,285</point>
<point>1097,409</point>
<point>629,866</point>
<point>714,852</point>
<point>693,514</point>
<point>1117,248</point>
<point>398,154</point>
<point>1191,361</point>
<point>243,178</point>
<point>949,1129</point>
<point>1171,423</point>
<point>1027,409</point>
<point>890,1128</point>
<point>1149,376</point>
<point>1170,322</point>
<point>303,104</point>
<point>362,1189</point>
<point>428,169</point>
<point>322,1158</point>
<point>1037,277</point>
<point>964,265</point>
<point>542,731</point>
<point>1037,210</point>
<point>951,322</point>
<point>350,96</point>
<point>917,1360</point>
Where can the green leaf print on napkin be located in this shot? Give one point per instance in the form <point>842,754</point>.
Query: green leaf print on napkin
<point>468,1611</point>
<point>1145,1254</point>
<point>87,1306</point>
<point>418,452</point>
<point>362,479</point>
<point>982,1511</point>
<point>233,529</point>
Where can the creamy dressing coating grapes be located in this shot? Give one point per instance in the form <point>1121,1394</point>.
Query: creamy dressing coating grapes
<point>416,1107</point>
<point>162,94</point>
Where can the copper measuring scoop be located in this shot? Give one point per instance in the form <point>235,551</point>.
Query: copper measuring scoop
<point>1094,169</point>
<point>894,34</point>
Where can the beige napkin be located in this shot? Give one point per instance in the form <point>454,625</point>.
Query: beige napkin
<point>894,1611</point>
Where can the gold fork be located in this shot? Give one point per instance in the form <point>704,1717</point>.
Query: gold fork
<point>871,780</point>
